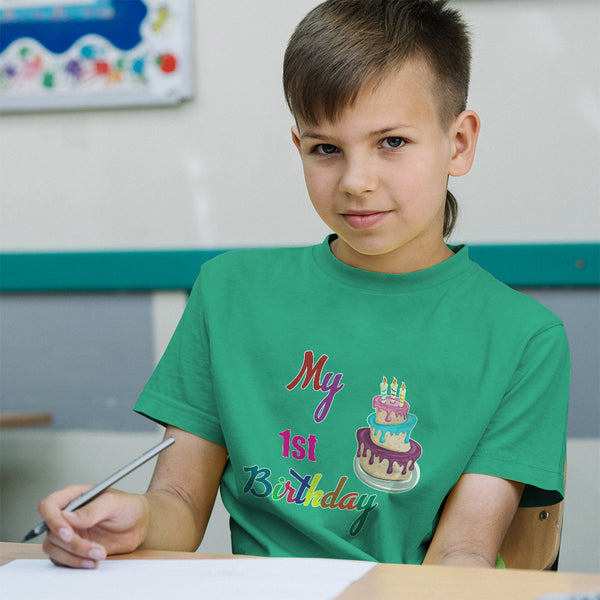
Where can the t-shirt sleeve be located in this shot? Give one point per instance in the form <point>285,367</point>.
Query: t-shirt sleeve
<point>526,439</point>
<point>180,391</point>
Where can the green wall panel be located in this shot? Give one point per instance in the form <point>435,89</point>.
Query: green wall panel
<point>532,265</point>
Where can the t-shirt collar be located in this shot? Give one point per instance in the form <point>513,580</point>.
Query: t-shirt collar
<point>451,268</point>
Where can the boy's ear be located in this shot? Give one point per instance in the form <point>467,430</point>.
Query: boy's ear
<point>464,131</point>
<point>296,138</point>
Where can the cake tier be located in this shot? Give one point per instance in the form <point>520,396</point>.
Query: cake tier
<point>390,409</point>
<point>382,463</point>
<point>394,437</point>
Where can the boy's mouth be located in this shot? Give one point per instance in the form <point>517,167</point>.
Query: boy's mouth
<point>363,219</point>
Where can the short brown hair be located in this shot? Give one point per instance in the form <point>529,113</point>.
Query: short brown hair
<point>341,45</point>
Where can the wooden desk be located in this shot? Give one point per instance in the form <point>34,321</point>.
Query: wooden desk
<point>409,582</point>
<point>24,419</point>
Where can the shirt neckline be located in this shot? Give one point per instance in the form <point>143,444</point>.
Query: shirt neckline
<point>448,269</point>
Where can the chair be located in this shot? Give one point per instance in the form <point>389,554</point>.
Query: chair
<point>533,538</point>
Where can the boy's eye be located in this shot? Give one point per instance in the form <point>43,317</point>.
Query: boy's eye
<point>325,149</point>
<point>393,142</point>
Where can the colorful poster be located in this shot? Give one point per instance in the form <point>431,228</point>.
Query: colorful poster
<point>94,53</point>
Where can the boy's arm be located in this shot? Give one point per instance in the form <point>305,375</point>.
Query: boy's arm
<point>475,519</point>
<point>182,491</point>
<point>172,515</point>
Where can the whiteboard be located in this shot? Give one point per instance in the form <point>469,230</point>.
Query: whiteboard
<point>220,170</point>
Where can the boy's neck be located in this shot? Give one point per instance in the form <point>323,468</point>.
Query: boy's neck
<point>403,260</point>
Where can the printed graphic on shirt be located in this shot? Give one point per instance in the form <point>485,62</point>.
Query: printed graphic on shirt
<point>386,459</point>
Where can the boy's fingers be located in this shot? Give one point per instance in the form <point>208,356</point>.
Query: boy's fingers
<point>51,507</point>
<point>108,524</point>
<point>63,544</point>
<point>85,517</point>
<point>71,556</point>
<point>101,508</point>
<point>72,543</point>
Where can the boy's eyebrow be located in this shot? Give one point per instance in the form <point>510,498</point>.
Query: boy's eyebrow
<point>317,135</point>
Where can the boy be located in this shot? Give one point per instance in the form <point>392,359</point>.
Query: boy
<point>276,364</point>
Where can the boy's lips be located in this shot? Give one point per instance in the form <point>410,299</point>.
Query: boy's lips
<point>363,219</point>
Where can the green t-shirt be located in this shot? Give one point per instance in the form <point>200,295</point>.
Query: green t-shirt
<point>280,356</point>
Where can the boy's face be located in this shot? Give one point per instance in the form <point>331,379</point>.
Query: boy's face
<point>377,175</point>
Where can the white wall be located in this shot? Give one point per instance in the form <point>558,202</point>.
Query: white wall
<point>536,86</point>
<point>220,171</point>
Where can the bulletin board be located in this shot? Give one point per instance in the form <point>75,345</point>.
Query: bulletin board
<point>66,54</point>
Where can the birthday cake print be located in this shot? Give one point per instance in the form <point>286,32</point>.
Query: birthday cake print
<point>387,457</point>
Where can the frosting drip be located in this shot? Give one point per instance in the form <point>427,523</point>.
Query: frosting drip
<point>402,459</point>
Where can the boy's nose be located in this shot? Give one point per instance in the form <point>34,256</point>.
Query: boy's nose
<point>358,178</point>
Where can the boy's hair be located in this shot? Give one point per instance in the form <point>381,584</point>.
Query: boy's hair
<point>342,45</point>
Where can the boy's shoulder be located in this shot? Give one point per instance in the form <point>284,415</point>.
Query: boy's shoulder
<point>515,304</point>
<point>248,265</point>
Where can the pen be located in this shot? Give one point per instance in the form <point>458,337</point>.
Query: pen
<point>103,485</point>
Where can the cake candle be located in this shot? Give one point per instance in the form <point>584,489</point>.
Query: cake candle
<point>394,387</point>
<point>402,393</point>
<point>384,388</point>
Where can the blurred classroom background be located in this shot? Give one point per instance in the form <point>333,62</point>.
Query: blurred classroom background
<point>218,171</point>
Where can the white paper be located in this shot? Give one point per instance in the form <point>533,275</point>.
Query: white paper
<point>573,596</point>
<point>222,579</point>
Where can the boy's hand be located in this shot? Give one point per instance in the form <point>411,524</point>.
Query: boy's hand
<point>172,515</point>
<point>113,523</point>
